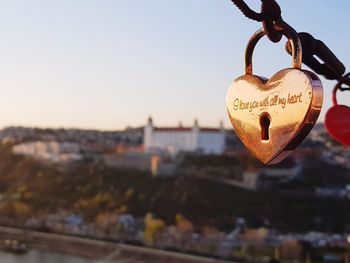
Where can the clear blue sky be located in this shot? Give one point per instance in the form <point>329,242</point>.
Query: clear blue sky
<point>111,63</point>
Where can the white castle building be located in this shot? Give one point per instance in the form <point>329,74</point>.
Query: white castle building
<point>184,139</point>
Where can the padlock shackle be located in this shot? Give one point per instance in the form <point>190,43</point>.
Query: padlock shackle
<point>334,94</point>
<point>339,87</point>
<point>287,31</point>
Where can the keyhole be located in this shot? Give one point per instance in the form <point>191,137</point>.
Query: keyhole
<point>265,125</point>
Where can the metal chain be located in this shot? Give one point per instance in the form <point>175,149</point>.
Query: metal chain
<point>270,16</point>
<point>247,12</point>
<point>269,9</point>
<point>344,80</point>
<point>332,68</point>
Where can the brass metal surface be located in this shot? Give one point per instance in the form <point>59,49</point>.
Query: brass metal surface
<point>272,117</point>
<point>291,99</point>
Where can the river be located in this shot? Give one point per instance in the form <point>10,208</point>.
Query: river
<point>36,256</point>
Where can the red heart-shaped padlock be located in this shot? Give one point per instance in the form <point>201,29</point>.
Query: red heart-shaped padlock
<point>337,120</point>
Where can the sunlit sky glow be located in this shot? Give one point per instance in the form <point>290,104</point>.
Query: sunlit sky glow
<point>109,64</point>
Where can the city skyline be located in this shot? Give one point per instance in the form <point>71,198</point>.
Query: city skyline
<point>108,65</point>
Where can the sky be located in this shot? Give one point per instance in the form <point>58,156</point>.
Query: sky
<point>109,64</point>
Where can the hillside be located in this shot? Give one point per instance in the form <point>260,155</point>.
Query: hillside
<point>91,188</point>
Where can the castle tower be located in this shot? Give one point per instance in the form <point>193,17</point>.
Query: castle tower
<point>221,126</point>
<point>148,135</point>
<point>195,135</point>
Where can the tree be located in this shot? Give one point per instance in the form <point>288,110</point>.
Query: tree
<point>152,228</point>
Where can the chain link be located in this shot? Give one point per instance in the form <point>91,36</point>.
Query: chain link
<point>346,81</point>
<point>247,11</point>
<point>270,15</point>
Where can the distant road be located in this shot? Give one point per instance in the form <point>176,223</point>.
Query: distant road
<point>101,251</point>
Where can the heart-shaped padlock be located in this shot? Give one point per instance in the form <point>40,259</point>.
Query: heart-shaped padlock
<point>272,117</point>
<point>337,120</point>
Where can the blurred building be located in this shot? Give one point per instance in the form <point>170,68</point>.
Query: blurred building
<point>124,148</point>
<point>255,178</point>
<point>183,139</point>
<point>49,150</point>
<point>161,166</point>
<point>128,160</point>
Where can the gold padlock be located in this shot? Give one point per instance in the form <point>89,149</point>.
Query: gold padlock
<point>273,116</point>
